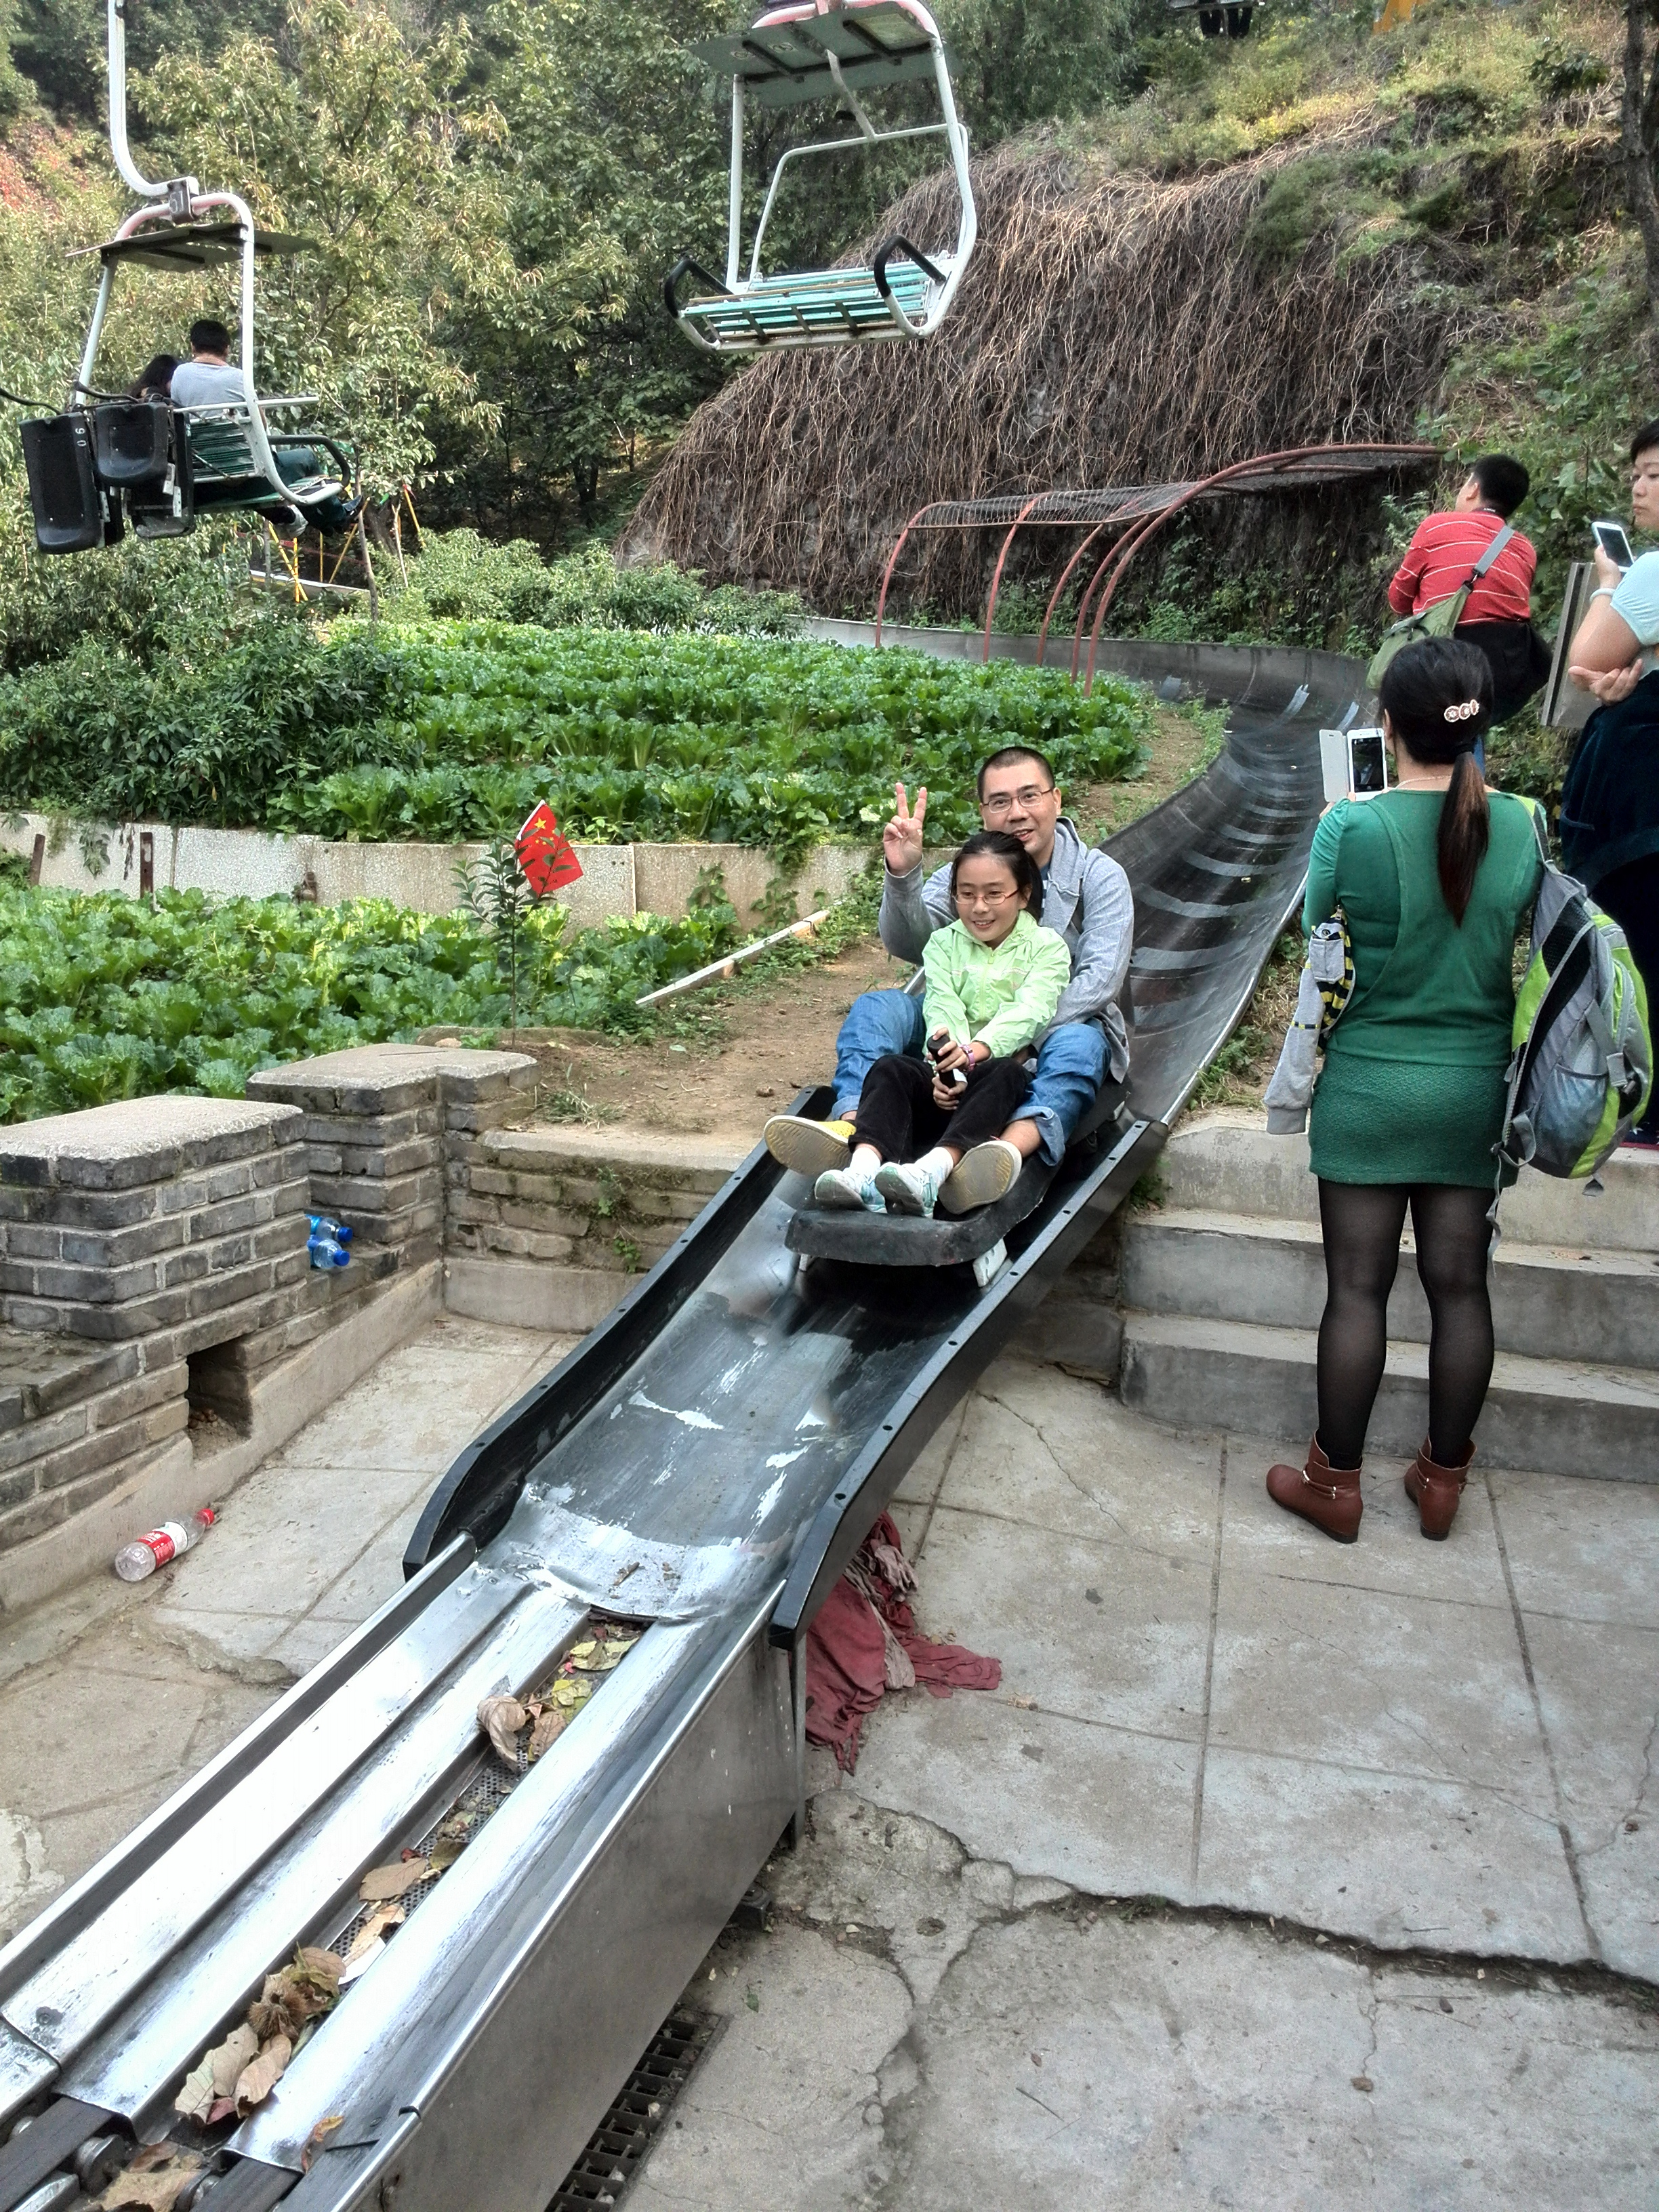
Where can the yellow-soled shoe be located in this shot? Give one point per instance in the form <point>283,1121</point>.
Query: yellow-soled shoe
<point>810,1148</point>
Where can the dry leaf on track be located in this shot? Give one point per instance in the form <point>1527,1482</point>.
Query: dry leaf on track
<point>262,2077</point>
<point>155,2180</point>
<point>318,2139</point>
<point>382,1882</point>
<point>551,1725</point>
<point>195,2100</point>
<point>240,2049</point>
<point>504,1720</point>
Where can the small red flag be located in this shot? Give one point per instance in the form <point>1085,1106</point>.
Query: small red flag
<point>545,853</point>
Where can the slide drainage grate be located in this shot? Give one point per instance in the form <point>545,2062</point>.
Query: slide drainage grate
<point>617,2146</point>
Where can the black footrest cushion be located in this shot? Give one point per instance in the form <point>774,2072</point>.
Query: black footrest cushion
<point>905,1240</point>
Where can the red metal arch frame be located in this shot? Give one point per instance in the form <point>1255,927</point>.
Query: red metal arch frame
<point>1143,509</point>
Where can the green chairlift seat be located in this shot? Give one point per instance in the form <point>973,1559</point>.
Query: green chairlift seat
<point>842,50</point>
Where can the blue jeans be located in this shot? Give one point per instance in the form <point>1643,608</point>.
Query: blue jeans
<point>1070,1069</point>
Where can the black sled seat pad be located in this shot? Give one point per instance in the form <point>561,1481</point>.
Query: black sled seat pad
<point>905,1240</point>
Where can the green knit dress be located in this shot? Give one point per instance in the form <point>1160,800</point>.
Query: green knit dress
<point>1412,1090</point>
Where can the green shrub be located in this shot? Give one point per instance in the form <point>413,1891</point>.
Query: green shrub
<point>461,576</point>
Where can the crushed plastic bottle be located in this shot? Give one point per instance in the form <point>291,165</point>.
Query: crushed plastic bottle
<point>327,1241</point>
<point>133,1562</point>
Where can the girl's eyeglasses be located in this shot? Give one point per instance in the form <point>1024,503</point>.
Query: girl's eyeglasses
<point>987,898</point>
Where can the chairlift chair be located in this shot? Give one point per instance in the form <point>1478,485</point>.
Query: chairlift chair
<point>1218,19</point>
<point>842,50</point>
<point>103,462</point>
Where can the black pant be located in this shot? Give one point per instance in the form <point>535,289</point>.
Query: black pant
<point>1631,896</point>
<point>1361,1223</point>
<point>897,1113</point>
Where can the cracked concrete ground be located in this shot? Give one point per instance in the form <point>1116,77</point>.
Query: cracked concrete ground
<point>114,1694</point>
<point>1276,1874</point>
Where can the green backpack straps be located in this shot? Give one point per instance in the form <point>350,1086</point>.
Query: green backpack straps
<point>1583,1063</point>
<point>1438,621</point>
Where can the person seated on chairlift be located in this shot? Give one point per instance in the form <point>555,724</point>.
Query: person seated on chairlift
<point>207,379</point>
<point>927,1131</point>
<point>155,381</point>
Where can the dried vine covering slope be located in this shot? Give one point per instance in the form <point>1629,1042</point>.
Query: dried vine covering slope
<point>1111,330</point>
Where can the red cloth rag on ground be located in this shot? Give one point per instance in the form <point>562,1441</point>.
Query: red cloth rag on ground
<point>850,1659</point>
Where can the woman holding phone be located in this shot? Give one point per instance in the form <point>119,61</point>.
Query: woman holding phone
<point>1610,800</point>
<point>1433,877</point>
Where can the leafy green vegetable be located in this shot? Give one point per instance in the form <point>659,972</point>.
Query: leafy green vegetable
<point>443,731</point>
<point>103,997</point>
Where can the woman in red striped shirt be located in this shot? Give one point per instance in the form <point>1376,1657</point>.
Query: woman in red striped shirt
<point>1497,616</point>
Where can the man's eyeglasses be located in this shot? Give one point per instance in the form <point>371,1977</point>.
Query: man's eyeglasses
<point>1003,802</point>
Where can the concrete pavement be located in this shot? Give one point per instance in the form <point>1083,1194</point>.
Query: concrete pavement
<point>1276,1874</point>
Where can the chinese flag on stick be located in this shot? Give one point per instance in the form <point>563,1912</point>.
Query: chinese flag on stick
<point>545,853</point>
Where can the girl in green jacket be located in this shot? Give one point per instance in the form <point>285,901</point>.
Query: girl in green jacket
<point>927,1131</point>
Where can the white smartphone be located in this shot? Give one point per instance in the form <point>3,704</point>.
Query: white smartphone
<point>1351,762</point>
<point>1610,536</point>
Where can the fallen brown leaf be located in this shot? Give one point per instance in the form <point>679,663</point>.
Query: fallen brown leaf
<point>317,2138</point>
<point>259,2080</point>
<point>551,1725</point>
<point>195,2098</point>
<point>384,1917</point>
<point>240,2049</point>
<point>155,2180</point>
<point>1026,1705</point>
<point>394,1880</point>
<point>504,1720</point>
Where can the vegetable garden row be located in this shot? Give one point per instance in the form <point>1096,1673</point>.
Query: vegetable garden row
<point>445,731</point>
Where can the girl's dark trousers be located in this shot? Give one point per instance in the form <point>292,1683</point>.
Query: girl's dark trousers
<point>897,1113</point>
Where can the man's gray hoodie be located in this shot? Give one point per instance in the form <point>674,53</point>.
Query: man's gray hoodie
<point>1086,896</point>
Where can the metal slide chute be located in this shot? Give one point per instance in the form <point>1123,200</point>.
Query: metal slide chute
<point>104,462</point>
<point>702,1466</point>
<point>844,51</point>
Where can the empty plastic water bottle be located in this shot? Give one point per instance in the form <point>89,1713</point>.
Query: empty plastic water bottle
<point>134,1561</point>
<point>326,1243</point>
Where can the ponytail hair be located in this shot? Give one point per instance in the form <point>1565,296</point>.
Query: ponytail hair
<point>1437,695</point>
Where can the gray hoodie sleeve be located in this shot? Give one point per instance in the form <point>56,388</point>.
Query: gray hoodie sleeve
<point>912,909</point>
<point>1102,959</point>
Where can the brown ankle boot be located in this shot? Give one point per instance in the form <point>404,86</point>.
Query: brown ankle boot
<point>1326,1495</point>
<point>1437,1491</point>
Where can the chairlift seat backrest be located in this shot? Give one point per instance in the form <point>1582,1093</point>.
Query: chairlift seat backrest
<point>68,513</point>
<point>132,442</point>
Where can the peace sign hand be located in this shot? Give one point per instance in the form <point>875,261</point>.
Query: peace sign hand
<point>900,840</point>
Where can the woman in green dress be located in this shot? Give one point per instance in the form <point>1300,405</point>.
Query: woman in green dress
<point>1434,877</point>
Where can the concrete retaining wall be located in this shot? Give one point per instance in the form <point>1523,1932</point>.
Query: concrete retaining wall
<point>617,879</point>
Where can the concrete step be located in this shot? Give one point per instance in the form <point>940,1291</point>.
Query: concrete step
<point>1557,1416</point>
<point>1225,1161</point>
<point>1549,1302</point>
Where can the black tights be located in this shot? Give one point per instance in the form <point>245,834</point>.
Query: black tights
<point>1362,1224</point>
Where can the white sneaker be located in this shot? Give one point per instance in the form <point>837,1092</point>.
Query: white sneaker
<point>908,1188</point>
<point>841,1187</point>
<point>982,1176</point>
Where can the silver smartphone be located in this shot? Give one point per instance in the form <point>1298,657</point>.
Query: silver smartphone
<point>1352,762</point>
<point>1610,536</point>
